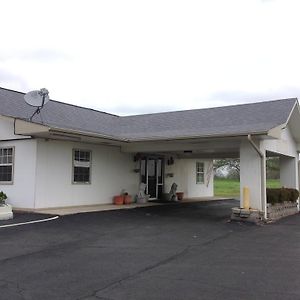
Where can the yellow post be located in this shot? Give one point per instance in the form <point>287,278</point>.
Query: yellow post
<point>246,197</point>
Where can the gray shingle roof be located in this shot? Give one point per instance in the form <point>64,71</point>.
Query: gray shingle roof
<point>58,114</point>
<point>228,120</point>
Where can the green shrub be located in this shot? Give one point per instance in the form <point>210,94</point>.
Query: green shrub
<point>284,195</point>
<point>281,195</point>
<point>273,196</point>
<point>294,195</point>
<point>3,197</point>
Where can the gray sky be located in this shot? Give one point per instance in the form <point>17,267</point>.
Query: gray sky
<point>129,57</point>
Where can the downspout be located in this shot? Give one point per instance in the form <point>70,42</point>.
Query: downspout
<point>263,184</point>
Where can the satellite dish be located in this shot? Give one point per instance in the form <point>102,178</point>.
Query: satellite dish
<point>37,99</point>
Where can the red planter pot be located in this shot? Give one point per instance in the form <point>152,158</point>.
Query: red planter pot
<point>127,199</point>
<point>118,200</point>
<point>179,195</point>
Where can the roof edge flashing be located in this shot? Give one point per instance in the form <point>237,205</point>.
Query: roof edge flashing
<point>153,139</point>
<point>296,104</point>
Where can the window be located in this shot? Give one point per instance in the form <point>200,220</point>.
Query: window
<point>6,164</point>
<point>81,166</point>
<point>199,172</point>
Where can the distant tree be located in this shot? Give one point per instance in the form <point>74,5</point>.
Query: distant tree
<point>232,166</point>
<point>233,174</point>
<point>273,168</point>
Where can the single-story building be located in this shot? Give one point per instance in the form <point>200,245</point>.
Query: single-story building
<point>69,155</point>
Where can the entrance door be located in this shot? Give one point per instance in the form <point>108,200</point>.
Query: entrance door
<point>151,174</point>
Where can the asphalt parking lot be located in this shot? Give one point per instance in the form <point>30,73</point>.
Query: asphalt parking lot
<point>180,251</point>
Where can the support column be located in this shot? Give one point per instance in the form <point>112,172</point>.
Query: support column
<point>252,175</point>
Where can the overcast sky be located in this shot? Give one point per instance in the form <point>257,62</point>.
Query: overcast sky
<point>128,57</point>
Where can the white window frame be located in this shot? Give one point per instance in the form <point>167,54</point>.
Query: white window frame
<point>200,171</point>
<point>9,164</point>
<point>84,164</point>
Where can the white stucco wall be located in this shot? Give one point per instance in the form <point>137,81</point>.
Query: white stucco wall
<point>20,192</point>
<point>111,172</point>
<point>285,145</point>
<point>250,174</point>
<point>184,171</point>
<point>251,171</point>
<point>286,148</point>
<point>288,172</point>
<point>7,129</point>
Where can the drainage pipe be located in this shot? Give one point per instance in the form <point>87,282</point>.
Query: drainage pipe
<point>262,170</point>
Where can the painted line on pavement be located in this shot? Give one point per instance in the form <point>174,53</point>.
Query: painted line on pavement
<point>30,222</point>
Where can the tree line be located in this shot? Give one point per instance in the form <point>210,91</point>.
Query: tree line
<point>230,168</point>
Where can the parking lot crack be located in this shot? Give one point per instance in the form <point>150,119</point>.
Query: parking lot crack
<point>142,271</point>
<point>216,239</point>
<point>12,285</point>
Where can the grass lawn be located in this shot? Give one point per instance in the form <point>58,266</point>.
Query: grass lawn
<point>224,187</point>
<point>273,183</point>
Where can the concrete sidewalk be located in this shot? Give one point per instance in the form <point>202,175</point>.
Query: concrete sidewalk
<point>62,211</point>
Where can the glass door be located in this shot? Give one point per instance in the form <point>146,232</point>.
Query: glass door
<point>152,176</point>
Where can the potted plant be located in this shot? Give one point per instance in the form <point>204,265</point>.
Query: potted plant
<point>118,200</point>
<point>3,197</point>
<point>5,209</point>
<point>180,195</point>
<point>127,198</point>
<point>123,198</point>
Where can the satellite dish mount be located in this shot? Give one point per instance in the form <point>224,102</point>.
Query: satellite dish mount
<point>37,99</point>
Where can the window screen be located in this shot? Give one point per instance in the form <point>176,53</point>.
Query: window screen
<point>82,166</point>
<point>199,172</point>
<point>6,164</point>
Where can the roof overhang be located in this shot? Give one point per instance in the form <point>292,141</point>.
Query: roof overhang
<point>186,146</point>
<point>213,147</point>
<point>23,127</point>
